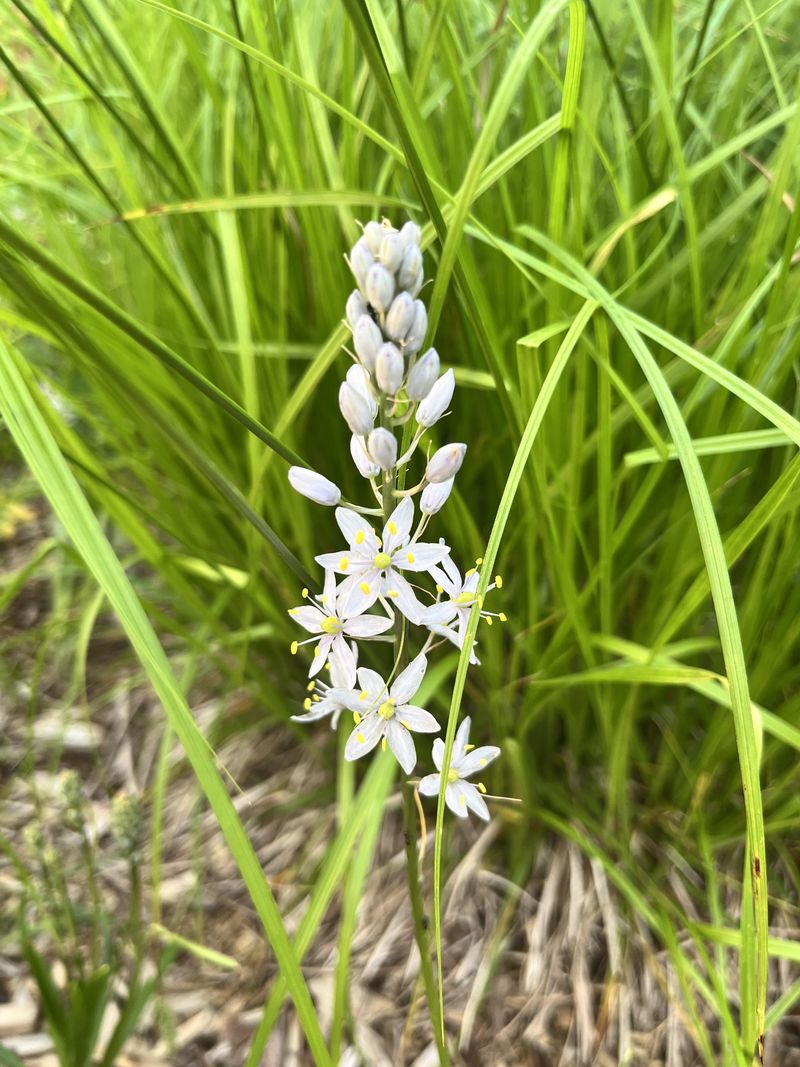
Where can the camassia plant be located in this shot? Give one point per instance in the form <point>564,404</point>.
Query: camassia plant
<point>391,397</point>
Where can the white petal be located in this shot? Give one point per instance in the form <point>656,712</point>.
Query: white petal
<point>429,785</point>
<point>317,711</point>
<point>438,753</point>
<point>400,521</point>
<point>439,614</point>
<point>477,759</point>
<point>367,625</point>
<point>343,664</point>
<point>397,591</point>
<point>471,583</point>
<point>461,742</point>
<point>455,799</point>
<point>329,593</point>
<point>417,719</point>
<point>310,618</point>
<point>352,598</point>
<point>372,684</point>
<point>339,562</point>
<point>364,738</point>
<point>408,681</point>
<point>420,556</point>
<point>402,745</point>
<point>351,524</point>
<point>314,486</point>
<point>475,801</point>
<point>320,656</point>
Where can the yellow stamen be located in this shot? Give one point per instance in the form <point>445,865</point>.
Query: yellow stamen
<point>364,588</point>
<point>464,598</point>
<point>311,686</point>
<point>439,588</point>
<point>344,563</point>
<point>356,718</point>
<point>410,557</point>
<point>360,738</point>
<point>381,561</point>
<point>331,625</point>
<point>392,528</point>
<point>461,800</point>
<point>293,648</point>
<point>482,761</point>
<point>383,744</point>
<point>469,572</point>
<point>305,593</point>
<point>362,695</point>
<point>489,620</point>
<point>307,703</point>
<point>468,748</point>
<point>481,787</point>
<point>316,698</point>
<point>322,599</point>
<point>386,710</point>
<point>503,617</point>
<point>452,776</point>
<point>360,537</point>
<point>393,592</point>
<point>292,611</point>
<point>478,561</point>
<point>498,581</point>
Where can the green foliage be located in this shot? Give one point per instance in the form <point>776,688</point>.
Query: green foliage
<point>609,189</point>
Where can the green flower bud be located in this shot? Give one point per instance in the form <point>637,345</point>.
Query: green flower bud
<point>127,823</point>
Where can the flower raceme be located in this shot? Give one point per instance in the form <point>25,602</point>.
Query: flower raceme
<point>392,383</point>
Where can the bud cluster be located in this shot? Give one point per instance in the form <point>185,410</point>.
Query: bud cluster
<point>392,395</point>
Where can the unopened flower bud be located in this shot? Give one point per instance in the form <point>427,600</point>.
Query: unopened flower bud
<point>127,823</point>
<point>356,410</point>
<point>400,318</point>
<point>373,235</point>
<point>389,369</point>
<point>410,233</point>
<point>445,463</point>
<point>361,259</point>
<point>410,267</point>
<point>419,327</point>
<point>434,496</point>
<point>367,339</point>
<point>367,468</point>
<point>418,283</point>
<point>356,307</point>
<point>382,446</point>
<point>314,486</point>
<point>392,250</point>
<point>379,287</point>
<point>359,378</point>
<point>437,401</point>
<point>422,375</point>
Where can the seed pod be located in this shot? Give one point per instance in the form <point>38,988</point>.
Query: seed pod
<point>419,327</point>
<point>410,267</point>
<point>359,379</point>
<point>361,259</point>
<point>392,250</point>
<point>411,233</point>
<point>434,496</point>
<point>314,486</point>
<point>366,467</point>
<point>373,235</point>
<point>422,375</point>
<point>379,287</point>
<point>437,401</point>
<point>389,369</point>
<point>400,317</point>
<point>445,463</point>
<point>382,447</point>
<point>367,339</point>
<point>355,409</point>
<point>356,307</point>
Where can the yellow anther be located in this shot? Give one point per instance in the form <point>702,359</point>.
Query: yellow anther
<point>364,588</point>
<point>468,748</point>
<point>381,560</point>
<point>344,563</point>
<point>331,625</point>
<point>392,528</point>
<point>360,537</point>
<point>307,703</point>
<point>386,710</point>
<point>469,572</point>
<point>360,738</point>
<point>305,593</point>
<point>464,598</point>
<point>410,557</point>
<point>356,718</point>
<point>478,561</point>
<point>293,648</point>
<point>452,776</point>
<point>503,617</point>
<point>489,620</point>
<point>480,602</point>
<point>363,695</point>
<point>393,592</point>
<point>482,761</point>
<point>461,800</point>
<point>316,698</point>
<point>292,611</point>
<point>481,787</point>
<point>383,744</point>
<point>498,581</point>
<point>311,686</point>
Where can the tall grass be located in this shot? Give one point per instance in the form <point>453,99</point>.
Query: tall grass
<point>608,192</point>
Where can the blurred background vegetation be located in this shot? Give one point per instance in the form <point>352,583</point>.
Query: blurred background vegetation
<point>177,188</point>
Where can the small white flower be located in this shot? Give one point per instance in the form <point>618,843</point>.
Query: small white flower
<point>400,318</point>
<point>326,701</point>
<point>419,327</point>
<point>335,624</point>
<point>422,375</point>
<point>379,287</point>
<point>459,794</point>
<point>314,486</point>
<point>358,378</point>
<point>367,339</point>
<point>410,275</point>
<point>389,369</point>
<point>362,459</point>
<point>437,401</point>
<point>373,565</point>
<point>391,252</point>
<point>445,463</point>
<point>385,715</point>
<point>434,496</point>
<point>449,617</point>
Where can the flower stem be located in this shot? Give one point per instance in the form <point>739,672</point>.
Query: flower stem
<point>411,833</point>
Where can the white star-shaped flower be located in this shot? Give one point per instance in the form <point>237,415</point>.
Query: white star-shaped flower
<point>384,714</point>
<point>326,700</point>
<point>449,616</point>
<point>373,564</point>
<point>335,623</point>
<point>459,794</point>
